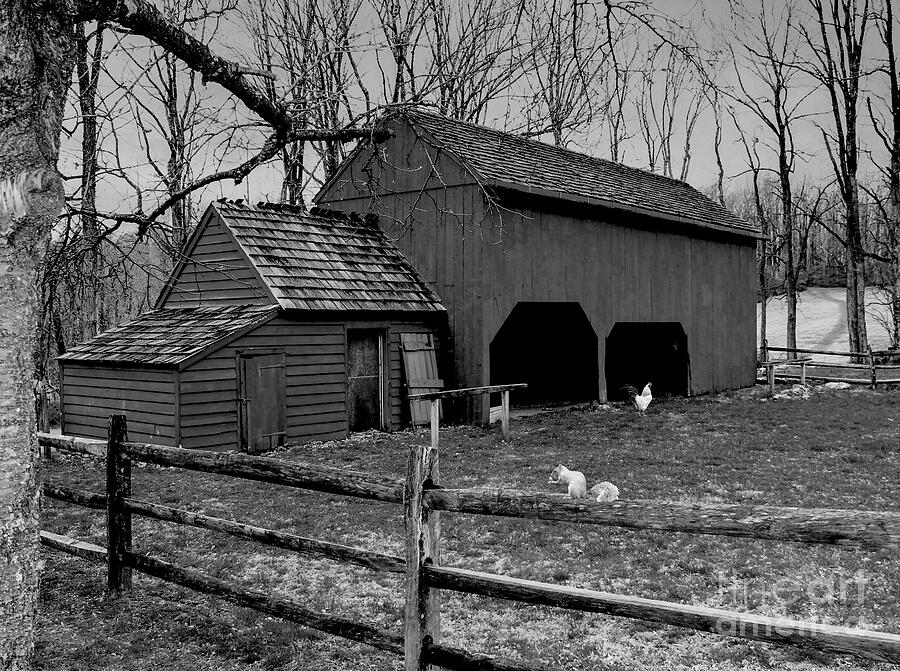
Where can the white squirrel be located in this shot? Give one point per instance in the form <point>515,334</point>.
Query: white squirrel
<point>605,492</point>
<point>575,480</point>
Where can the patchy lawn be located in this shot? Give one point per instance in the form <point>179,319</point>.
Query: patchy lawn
<point>835,449</point>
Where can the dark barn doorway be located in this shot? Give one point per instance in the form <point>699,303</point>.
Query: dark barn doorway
<point>550,346</point>
<point>642,352</point>
<point>365,379</point>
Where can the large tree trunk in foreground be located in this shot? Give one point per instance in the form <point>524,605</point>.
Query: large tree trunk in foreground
<point>35,68</point>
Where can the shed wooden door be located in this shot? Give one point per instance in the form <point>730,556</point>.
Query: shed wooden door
<point>365,379</point>
<point>420,365</point>
<point>261,401</point>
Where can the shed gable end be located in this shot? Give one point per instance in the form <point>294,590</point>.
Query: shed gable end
<point>215,270</point>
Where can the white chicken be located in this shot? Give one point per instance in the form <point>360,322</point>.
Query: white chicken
<point>641,401</point>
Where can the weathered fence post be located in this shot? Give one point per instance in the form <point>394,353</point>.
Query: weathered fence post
<point>118,519</point>
<point>43,404</point>
<point>872,368</point>
<point>504,413</point>
<point>435,422</point>
<point>422,526</point>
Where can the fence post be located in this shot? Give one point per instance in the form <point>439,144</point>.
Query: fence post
<point>872,368</point>
<point>118,519</point>
<point>504,413</point>
<point>435,422</point>
<point>422,526</point>
<point>44,416</point>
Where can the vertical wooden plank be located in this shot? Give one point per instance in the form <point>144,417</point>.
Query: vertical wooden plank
<point>504,413</point>
<point>803,373</point>
<point>118,519</point>
<point>422,527</point>
<point>435,422</point>
<point>771,379</point>
<point>44,416</point>
<point>874,382</point>
<point>177,409</point>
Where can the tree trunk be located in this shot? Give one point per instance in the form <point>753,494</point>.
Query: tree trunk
<point>763,291</point>
<point>36,61</point>
<point>90,229</point>
<point>856,282</point>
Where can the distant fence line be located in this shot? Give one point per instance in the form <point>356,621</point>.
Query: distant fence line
<point>422,499</point>
<point>809,368</point>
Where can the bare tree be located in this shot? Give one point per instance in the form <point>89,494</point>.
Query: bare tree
<point>569,55</point>
<point>768,58</point>
<point>673,94</point>
<point>761,213</point>
<point>38,51</point>
<point>475,54</point>
<point>836,44</point>
<point>888,131</point>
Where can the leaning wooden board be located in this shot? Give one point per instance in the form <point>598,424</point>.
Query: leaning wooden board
<point>420,368</point>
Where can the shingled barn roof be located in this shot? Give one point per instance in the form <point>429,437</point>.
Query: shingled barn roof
<point>170,337</point>
<point>323,260</point>
<point>513,162</point>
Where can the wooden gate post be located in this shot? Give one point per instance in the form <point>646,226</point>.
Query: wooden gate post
<point>422,527</point>
<point>118,519</point>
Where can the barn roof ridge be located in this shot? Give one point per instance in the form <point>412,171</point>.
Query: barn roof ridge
<point>511,161</point>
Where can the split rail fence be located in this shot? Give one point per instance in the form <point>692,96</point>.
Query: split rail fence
<point>791,367</point>
<point>423,499</point>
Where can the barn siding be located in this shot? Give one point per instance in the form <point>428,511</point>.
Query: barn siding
<point>217,271</point>
<point>483,260</point>
<point>315,380</point>
<point>146,396</point>
<point>446,252</point>
<point>314,385</point>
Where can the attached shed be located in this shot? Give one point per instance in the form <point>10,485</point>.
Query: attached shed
<point>278,325</point>
<point>569,272</point>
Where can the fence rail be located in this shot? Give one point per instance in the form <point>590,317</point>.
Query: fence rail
<point>890,373</point>
<point>423,500</point>
<point>436,396</point>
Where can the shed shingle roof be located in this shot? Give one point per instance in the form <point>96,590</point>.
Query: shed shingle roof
<point>322,260</point>
<point>527,165</point>
<point>170,336</point>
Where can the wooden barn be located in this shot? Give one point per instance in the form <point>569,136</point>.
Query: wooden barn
<point>574,274</point>
<point>278,325</point>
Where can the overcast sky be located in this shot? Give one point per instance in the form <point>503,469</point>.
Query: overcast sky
<point>232,40</point>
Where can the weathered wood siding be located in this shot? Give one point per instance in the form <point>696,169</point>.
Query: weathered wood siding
<point>216,271</point>
<point>482,260</point>
<point>315,380</point>
<point>315,383</point>
<point>90,394</point>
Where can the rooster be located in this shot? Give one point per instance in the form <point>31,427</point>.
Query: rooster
<point>641,401</point>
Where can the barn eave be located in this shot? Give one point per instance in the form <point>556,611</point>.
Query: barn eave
<point>690,222</point>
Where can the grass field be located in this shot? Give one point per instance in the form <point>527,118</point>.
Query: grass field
<point>836,449</point>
